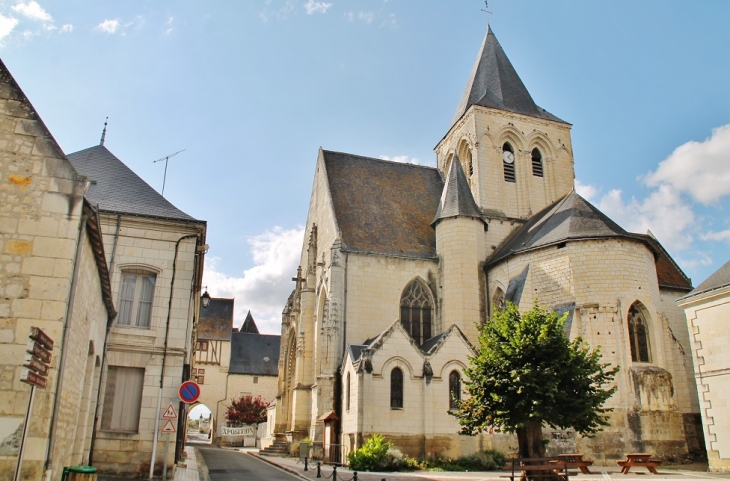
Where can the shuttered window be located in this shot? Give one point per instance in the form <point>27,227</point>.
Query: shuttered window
<point>536,162</point>
<point>122,399</point>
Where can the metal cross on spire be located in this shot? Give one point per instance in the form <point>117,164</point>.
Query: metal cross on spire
<point>103,132</point>
<point>486,10</point>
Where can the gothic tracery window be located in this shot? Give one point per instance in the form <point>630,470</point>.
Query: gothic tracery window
<point>454,390</point>
<point>396,388</point>
<point>638,335</point>
<point>415,312</point>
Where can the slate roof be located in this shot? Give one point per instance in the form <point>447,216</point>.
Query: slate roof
<point>669,274</point>
<point>719,279</point>
<point>116,188</point>
<point>250,351</point>
<point>456,198</point>
<point>249,325</point>
<point>494,83</point>
<point>570,218</point>
<point>382,206</point>
<point>216,321</point>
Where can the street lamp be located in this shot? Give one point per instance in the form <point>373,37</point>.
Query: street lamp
<point>205,299</point>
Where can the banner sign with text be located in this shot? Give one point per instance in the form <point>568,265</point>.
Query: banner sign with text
<point>240,431</point>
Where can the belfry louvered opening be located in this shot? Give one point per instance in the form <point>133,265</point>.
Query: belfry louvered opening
<point>508,162</point>
<point>536,162</point>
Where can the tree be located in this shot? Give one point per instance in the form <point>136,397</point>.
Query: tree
<point>527,373</point>
<point>246,410</point>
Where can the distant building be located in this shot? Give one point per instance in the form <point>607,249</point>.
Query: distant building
<point>155,256</point>
<point>708,317</point>
<point>54,276</point>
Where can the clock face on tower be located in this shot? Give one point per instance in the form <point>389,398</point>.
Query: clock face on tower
<point>508,157</point>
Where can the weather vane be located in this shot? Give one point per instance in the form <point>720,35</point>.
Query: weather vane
<point>486,10</point>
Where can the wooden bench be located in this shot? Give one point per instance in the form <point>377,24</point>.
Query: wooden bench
<point>534,468</point>
<point>639,459</point>
<point>575,461</point>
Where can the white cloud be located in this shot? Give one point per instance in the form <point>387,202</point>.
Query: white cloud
<point>404,159</point>
<point>587,191</point>
<point>265,287</point>
<point>366,17</point>
<point>67,28</point>
<point>722,236</point>
<point>279,13</point>
<point>390,22</point>
<point>664,212</point>
<point>33,11</point>
<point>169,25</point>
<point>316,7</point>
<point>109,26</point>
<point>701,169</point>
<point>7,24</point>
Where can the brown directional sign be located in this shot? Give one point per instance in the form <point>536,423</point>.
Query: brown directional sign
<point>37,334</point>
<point>35,348</point>
<point>29,377</point>
<point>32,362</point>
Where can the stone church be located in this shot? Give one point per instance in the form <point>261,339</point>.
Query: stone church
<point>402,262</point>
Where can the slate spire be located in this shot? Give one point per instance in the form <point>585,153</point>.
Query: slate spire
<point>249,325</point>
<point>456,199</point>
<point>494,83</point>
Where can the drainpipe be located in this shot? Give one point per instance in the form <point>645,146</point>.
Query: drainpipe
<point>98,390</point>
<point>114,247</point>
<point>61,358</point>
<point>164,354</point>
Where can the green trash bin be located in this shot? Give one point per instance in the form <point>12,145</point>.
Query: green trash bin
<point>79,473</point>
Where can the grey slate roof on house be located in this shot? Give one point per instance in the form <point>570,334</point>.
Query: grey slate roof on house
<point>249,325</point>
<point>494,83</point>
<point>216,321</point>
<point>719,279</point>
<point>570,218</point>
<point>116,188</point>
<point>254,354</point>
<point>384,207</point>
<point>456,199</point>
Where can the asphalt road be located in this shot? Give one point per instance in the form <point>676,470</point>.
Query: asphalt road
<point>227,465</point>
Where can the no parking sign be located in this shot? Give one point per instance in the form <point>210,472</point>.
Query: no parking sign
<point>189,392</point>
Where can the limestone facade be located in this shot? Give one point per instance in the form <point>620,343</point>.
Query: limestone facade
<point>707,310</point>
<point>52,276</point>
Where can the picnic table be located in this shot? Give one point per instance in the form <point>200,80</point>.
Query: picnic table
<point>574,461</point>
<point>639,459</point>
<point>535,468</point>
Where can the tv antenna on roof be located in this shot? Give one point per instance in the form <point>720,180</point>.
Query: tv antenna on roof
<point>486,10</point>
<point>166,158</point>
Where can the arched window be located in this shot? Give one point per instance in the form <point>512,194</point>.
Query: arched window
<point>508,162</point>
<point>396,388</point>
<point>135,298</point>
<point>639,334</point>
<point>415,312</point>
<point>347,399</point>
<point>536,162</point>
<point>454,390</point>
<point>498,299</point>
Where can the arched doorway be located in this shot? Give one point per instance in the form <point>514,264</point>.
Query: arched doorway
<point>200,424</point>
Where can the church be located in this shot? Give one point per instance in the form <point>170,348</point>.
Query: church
<point>401,263</point>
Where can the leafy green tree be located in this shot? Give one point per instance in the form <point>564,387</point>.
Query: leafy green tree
<point>527,373</point>
<point>246,410</point>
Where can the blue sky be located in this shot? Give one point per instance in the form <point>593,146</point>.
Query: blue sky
<point>252,89</point>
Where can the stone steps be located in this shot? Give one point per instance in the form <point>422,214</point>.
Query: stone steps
<point>276,449</point>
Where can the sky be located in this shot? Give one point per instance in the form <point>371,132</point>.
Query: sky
<point>251,90</point>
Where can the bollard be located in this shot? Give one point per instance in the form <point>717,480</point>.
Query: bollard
<point>334,473</point>
<point>319,470</point>
<point>306,467</point>
<point>354,478</point>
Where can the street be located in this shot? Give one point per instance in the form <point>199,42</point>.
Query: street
<point>228,465</point>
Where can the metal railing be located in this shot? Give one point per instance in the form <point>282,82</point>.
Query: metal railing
<point>329,454</point>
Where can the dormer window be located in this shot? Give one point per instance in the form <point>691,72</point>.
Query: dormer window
<point>508,162</point>
<point>536,162</point>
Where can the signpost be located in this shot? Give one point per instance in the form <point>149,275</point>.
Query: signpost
<point>189,392</point>
<point>167,428</point>
<point>36,362</point>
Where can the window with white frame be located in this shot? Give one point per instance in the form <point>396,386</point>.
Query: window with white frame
<point>123,399</point>
<point>135,298</point>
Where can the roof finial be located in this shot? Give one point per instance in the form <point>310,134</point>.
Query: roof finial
<point>103,133</point>
<point>486,10</point>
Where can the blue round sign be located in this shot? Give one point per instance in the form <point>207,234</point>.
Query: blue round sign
<point>189,392</point>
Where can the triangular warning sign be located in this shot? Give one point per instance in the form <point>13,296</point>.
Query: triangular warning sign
<point>169,412</point>
<point>169,427</point>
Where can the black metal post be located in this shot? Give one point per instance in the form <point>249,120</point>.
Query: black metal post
<point>306,467</point>
<point>334,473</point>
<point>319,470</point>
<point>354,478</point>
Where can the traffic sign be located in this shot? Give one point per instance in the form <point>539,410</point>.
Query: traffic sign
<point>169,412</point>
<point>189,392</point>
<point>168,427</point>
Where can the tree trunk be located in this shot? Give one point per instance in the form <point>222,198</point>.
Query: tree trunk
<point>530,442</point>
